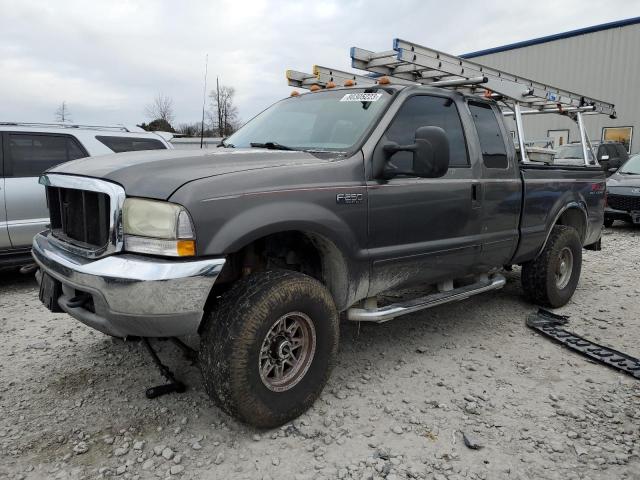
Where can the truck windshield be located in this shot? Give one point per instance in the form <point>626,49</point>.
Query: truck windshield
<point>329,120</point>
<point>632,166</point>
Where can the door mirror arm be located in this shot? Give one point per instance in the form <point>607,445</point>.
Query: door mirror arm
<point>392,148</point>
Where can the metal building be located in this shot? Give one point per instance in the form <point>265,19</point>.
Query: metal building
<point>602,61</point>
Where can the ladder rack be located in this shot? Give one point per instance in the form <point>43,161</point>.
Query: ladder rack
<point>321,76</point>
<point>412,64</point>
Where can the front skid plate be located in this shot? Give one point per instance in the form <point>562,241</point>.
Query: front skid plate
<point>550,324</point>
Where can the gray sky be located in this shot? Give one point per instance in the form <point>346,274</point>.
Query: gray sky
<point>108,59</point>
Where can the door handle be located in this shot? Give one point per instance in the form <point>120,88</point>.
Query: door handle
<point>476,195</point>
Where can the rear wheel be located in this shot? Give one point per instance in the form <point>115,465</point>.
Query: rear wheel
<point>268,348</point>
<point>552,278</point>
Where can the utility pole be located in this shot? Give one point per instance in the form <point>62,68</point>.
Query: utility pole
<point>204,97</point>
<point>220,130</point>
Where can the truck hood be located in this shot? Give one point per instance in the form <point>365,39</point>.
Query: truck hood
<point>619,180</point>
<point>158,173</point>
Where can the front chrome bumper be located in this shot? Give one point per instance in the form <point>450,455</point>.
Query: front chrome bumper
<point>132,294</point>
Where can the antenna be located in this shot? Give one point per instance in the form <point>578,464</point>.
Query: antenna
<point>204,98</point>
<point>220,132</point>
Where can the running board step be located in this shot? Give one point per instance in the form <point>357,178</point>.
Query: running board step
<point>388,312</point>
<point>550,324</point>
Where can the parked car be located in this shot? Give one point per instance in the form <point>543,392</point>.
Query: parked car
<point>623,194</point>
<point>26,151</point>
<point>315,207</point>
<point>610,155</point>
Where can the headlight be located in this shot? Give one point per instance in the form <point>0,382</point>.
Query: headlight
<point>158,228</point>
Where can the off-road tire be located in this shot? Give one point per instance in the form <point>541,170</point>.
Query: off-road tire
<point>538,276</point>
<point>233,335</point>
<point>608,222</point>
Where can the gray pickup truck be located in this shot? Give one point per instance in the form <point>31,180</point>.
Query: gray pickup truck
<point>308,213</point>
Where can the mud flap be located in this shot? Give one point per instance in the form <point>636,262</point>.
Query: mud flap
<point>596,247</point>
<point>550,324</point>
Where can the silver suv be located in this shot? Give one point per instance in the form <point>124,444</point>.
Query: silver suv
<point>27,150</point>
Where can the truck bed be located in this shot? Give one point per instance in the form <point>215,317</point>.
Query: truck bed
<point>548,192</point>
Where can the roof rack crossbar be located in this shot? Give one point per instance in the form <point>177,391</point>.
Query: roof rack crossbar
<point>120,128</point>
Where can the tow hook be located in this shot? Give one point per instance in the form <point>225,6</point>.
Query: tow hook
<point>173,385</point>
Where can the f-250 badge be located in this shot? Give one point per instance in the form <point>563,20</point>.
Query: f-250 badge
<point>349,198</point>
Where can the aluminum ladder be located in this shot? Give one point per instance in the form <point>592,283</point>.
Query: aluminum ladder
<point>412,64</point>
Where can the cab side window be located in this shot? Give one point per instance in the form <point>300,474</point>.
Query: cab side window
<point>130,144</point>
<point>494,151</point>
<point>427,111</point>
<point>31,154</point>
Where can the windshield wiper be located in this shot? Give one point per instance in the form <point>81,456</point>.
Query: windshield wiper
<point>628,173</point>
<point>270,146</point>
<point>225,145</point>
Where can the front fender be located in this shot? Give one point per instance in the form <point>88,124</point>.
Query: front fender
<point>264,219</point>
<point>338,231</point>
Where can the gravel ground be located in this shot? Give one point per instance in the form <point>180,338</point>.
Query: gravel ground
<point>72,400</point>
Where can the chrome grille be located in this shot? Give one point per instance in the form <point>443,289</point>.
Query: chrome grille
<point>624,202</point>
<point>79,216</point>
<point>85,214</point>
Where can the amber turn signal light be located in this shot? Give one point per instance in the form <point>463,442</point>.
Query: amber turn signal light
<point>186,248</point>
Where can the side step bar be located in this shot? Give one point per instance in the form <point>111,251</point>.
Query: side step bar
<point>388,312</point>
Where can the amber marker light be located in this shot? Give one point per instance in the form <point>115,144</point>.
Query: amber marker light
<point>349,83</point>
<point>314,88</point>
<point>186,248</point>
<point>384,81</point>
<point>295,93</point>
<point>331,85</point>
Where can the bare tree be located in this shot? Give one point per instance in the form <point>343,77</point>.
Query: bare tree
<point>223,114</point>
<point>161,108</point>
<point>62,113</point>
<point>189,129</point>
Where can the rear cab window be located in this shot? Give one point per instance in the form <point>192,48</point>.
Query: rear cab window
<point>130,144</point>
<point>29,155</point>
<point>494,151</point>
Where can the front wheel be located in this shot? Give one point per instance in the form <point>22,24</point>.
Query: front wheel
<point>269,346</point>
<point>552,278</point>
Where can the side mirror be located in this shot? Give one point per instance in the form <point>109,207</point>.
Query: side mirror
<point>430,153</point>
<point>604,157</point>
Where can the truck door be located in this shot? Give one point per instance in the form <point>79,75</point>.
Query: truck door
<point>423,230</point>
<point>4,232</point>
<point>500,187</point>
<point>27,156</point>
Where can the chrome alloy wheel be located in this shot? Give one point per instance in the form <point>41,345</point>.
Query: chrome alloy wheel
<point>287,351</point>
<point>564,268</point>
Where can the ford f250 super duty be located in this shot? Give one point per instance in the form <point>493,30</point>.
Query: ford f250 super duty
<point>311,210</point>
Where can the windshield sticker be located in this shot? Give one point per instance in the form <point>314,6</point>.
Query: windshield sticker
<point>361,97</point>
